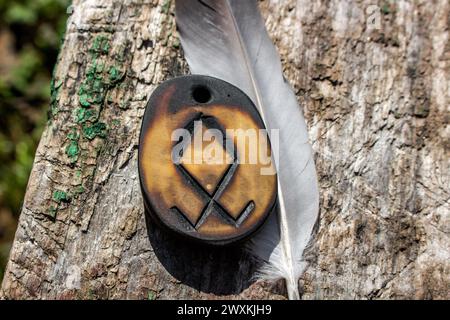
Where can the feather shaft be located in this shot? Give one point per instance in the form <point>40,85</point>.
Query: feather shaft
<point>227,39</point>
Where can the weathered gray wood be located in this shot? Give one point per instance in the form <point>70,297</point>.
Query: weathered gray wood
<point>376,101</point>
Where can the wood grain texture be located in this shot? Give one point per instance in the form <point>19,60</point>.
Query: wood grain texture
<point>376,102</point>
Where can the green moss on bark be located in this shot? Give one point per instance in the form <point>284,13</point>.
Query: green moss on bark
<point>97,129</point>
<point>60,196</point>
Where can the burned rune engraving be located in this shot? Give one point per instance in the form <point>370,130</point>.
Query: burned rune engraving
<point>199,162</point>
<point>213,205</point>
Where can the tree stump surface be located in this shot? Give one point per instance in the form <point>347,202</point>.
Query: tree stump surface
<point>376,103</point>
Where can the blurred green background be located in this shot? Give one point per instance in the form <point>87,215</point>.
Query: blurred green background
<point>30,37</point>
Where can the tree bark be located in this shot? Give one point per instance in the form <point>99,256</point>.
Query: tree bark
<point>376,103</point>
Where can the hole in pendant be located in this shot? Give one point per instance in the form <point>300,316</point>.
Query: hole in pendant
<point>201,94</point>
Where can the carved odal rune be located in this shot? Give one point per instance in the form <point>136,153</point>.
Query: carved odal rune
<point>219,203</point>
<point>213,204</point>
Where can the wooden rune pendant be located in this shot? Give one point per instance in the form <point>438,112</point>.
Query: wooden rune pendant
<point>205,161</point>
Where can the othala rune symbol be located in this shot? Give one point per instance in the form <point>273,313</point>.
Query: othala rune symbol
<point>213,205</point>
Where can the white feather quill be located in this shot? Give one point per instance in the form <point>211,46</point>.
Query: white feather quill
<point>227,39</point>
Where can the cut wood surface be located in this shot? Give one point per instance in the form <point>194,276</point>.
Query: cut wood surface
<point>376,100</point>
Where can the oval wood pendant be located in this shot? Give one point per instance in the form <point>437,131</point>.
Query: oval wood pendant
<point>205,161</point>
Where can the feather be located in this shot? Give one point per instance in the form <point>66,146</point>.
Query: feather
<point>227,39</point>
